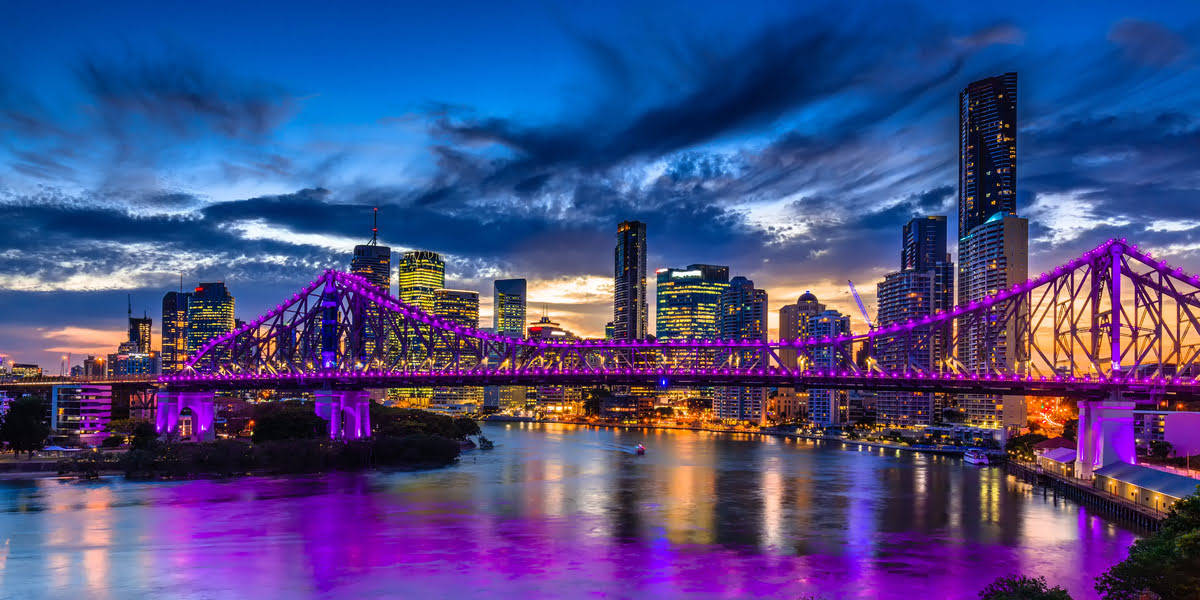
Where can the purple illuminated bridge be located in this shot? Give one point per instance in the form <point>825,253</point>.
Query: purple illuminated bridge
<point>1111,327</point>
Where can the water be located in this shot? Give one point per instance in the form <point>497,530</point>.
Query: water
<point>561,512</point>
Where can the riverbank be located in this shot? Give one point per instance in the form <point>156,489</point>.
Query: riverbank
<point>950,450</point>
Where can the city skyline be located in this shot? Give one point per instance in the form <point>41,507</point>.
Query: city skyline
<point>1088,170</point>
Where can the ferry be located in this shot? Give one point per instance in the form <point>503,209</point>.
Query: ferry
<point>641,450</point>
<point>976,456</point>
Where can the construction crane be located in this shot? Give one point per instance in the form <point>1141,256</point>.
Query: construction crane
<point>861,306</point>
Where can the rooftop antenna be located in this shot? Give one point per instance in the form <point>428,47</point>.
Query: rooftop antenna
<point>375,228</point>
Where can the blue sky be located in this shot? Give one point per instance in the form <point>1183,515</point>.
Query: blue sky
<point>248,142</point>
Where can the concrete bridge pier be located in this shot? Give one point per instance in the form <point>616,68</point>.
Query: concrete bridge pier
<point>348,413</point>
<point>173,404</point>
<point>1105,434</point>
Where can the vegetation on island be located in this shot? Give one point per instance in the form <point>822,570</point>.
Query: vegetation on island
<point>23,427</point>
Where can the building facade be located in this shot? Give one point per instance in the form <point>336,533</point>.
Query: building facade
<point>828,407</point>
<point>460,307</point>
<point>80,410</point>
<point>420,273</point>
<point>629,282</point>
<point>174,331</point>
<point>987,168</point>
<point>793,325</point>
<point>743,317</point>
<point>509,301</point>
<point>209,315</point>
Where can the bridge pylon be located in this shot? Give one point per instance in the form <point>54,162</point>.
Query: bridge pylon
<point>347,411</point>
<point>1105,434</point>
<point>171,407</point>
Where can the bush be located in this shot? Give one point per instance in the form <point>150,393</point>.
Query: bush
<point>112,441</point>
<point>1019,587</point>
<point>290,422</point>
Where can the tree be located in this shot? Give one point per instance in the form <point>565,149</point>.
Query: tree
<point>1022,445</point>
<point>1034,426</point>
<point>144,436</point>
<point>1071,429</point>
<point>295,422</point>
<point>113,441</point>
<point>1166,563</point>
<point>1019,587</point>
<point>24,426</point>
<point>1160,449</point>
<point>664,411</point>
<point>466,426</point>
<point>593,401</point>
<point>122,426</point>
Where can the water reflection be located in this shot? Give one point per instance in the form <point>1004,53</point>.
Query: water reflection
<point>561,511</point>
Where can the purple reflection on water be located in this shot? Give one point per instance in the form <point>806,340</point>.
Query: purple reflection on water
<point>562,512</point>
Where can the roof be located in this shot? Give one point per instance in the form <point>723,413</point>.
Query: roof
<point>1052,443</point>
<point>1060,455</point>
<point>1169,484</point>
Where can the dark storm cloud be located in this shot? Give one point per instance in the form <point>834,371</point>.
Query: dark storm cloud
<point>1149,43</point>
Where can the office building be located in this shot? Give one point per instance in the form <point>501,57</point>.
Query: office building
<point>421,273</point>
<point>548,330</point>
<point>140,331</point>
<point>25,370</point>
<point>629,282</point>
<point>374,262</point>
<point>743,311</point>
<point>209,315</point>
<point>828,407</point>
<point>510,297</point>
<point>459,307</point>
<point>923,286</point>
<point>174,331</point>
<point>81,410</point>
<point>688,302</point>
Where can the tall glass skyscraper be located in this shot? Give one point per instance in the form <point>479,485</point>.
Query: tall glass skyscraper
<point>993,243</point>
<point>373,263</point>
<point>174,331</point>
<point>629,282</point>
<point>987,168</point>
<point>743,317</point>
<point>139,333</point>
<point>924,244</point>
<point>828,407</point>
<point>508,307</point>
<point>460,307</point>
<point>210,315</point>
<point>421,272</point>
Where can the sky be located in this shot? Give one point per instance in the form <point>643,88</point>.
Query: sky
<point>249,142</point>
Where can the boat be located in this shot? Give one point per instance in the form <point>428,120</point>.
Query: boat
<point>976,456</point>
<point>641,450</point>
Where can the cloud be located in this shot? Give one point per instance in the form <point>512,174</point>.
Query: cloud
<point>1149,43</point>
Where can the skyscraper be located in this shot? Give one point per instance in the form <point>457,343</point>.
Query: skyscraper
<point>460,307</point>
<point>924,286</point>
<point>209,315</point>
<point>987,168</point>
<point>374,262</point>
<point>140,331</point>
<point>508,307</point>
<point>174,331</point>
<point>828,407</point>
<point>993,243</point>
<point>689,302</point>
<point>743,317</point>
<point>421,272</point>
<point>629,282</point>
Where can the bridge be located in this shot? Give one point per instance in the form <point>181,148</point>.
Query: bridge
<point>1109,328</point>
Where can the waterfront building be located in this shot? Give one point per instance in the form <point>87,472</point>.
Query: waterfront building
<point>629,282</point>
<point>608,330</point>
<point>509,300</point>
<point>80,410</point>
<point>459,307</point>
<point>828,407</point>
<point>140,331</point>
<point>688,302</point>
<point>174,331</point>
<point>546,329</point>
<point>25,370</point>
<point>924,286</point>
<point>743,317</point>
<point>93,366</point>
<point>209,315</point>
<point>993,242</point>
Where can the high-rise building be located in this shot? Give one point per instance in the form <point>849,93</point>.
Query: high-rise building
<point>174,331</point>
<point>508,307</point>
<point>987,168</point>
<point>629,282</point>
<point>374,262</point>
<point>545,329</point>
<point>828,407</point>
<point>688,302</point>
<point>81,410</point>
<point>993,243</point>
<point>993,257</point>
<point>421,272</point>
<point>140,331</point>
<point>460,307</point>
<point>924,244</point>
<point>743,317</point>
<point>793,324</point>
<point>924,286</point>
<point>209,315</point>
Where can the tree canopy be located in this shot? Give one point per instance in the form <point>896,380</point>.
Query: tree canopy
<point>1166,563</point>
<point>289,421</point>
<point>1019,587</point>
<point>24,426</point>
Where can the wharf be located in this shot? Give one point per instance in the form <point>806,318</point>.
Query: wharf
<point>1083,493</point>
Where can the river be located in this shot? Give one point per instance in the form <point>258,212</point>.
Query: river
<point>561,511</point>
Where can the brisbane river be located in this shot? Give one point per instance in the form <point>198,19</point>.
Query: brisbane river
<point>561,511</point>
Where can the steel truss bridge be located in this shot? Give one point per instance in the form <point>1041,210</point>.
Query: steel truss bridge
<point>1110,327</point>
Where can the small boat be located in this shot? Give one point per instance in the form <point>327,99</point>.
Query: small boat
<point>976,456</point>
<point>641,450</point>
